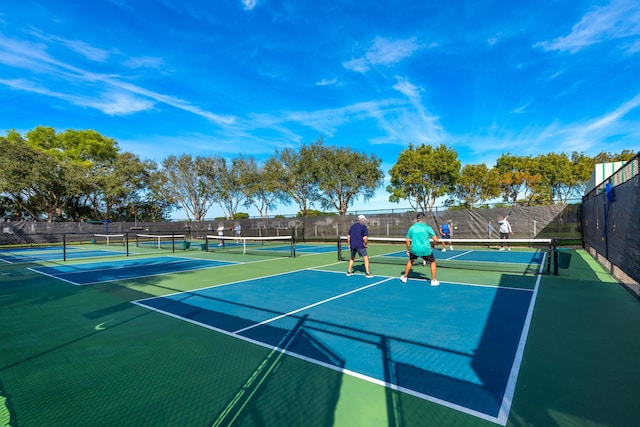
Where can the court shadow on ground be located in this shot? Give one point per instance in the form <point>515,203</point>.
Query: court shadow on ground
<point>413,367</point>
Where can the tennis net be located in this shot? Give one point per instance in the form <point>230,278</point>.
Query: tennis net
<point>109,239</point>
<point>167,241</point>
<point>267,246</point>
<point>522,256</point>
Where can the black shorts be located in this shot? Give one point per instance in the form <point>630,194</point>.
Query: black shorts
<point>428,258</point>
<point>360,251</point>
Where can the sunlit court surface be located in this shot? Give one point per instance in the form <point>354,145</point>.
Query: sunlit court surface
<point>231,336</point>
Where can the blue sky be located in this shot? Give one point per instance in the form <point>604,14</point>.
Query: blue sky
<point>484,77</point>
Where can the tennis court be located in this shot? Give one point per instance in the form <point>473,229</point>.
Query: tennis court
<point>336,323</point>
<point>97,272</point>
<point>27,255</point>
<point>237,338</point>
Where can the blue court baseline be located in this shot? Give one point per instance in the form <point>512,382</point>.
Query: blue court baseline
<point>457,345</point>
<point>97,272</point>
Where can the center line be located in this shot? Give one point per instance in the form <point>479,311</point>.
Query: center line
<point>310,306</point>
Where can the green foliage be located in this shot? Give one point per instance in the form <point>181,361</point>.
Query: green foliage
<point>477,184</point>
<point>191,182</point>
<point>343,175</point>
<point>422,174</point>
<point>80,174</point>
<point>315,212</point>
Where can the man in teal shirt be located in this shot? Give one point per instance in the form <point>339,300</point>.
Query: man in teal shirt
<point>419,239</point>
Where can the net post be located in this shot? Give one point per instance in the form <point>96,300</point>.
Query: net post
<point>293,246</point>
<point>126,241</point>
<point>206,243</point>
<point>555,256</point>
<point>64,247</point>
<point>339,247</point>
<point>173,242</point>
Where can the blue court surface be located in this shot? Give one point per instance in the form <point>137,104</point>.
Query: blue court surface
<point>98,272</point>
<point>24,255</point>
<point>457,345</point>
<point>314,249</point>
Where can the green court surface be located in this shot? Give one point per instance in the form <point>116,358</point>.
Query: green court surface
<point>94,356</point>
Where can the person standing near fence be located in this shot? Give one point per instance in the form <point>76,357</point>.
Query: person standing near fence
<point>505,231</point>
<point>238,231</point>
<point>418,241</point>
<point>358,240</point>
<point>221,234</point>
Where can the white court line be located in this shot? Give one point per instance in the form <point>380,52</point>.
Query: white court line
<point>309,306</point>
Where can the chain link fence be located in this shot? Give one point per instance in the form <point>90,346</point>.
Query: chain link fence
<point>611,226</point>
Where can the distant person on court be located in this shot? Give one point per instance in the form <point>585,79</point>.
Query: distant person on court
<point>445,233</point>
<point>505,231</point>
<point>221,234</point>
<point>418,242</point>
<point>358,240</point>
<point>238,230</point>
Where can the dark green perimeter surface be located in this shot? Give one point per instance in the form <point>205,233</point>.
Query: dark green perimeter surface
<point>85,356</point>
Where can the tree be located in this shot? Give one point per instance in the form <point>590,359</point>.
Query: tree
<point>343,175</point>
<point>261,183</point>
<point>191,182</point>
<point>121,180</point>
<point>519,179</point>
<point>37,182</point>
<point>423,174</point>
<point>298,181</point>
<point>227,191</point>
<point>477,184</point>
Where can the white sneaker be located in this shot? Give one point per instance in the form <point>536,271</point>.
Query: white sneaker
<point>403,279</point>
<point>450,248</point>
<point>424,262</point>
<point>509,249</point>
<point>444,249</point>
<point>502,249</point>
<point>435,283</point>
<point>349,273</point>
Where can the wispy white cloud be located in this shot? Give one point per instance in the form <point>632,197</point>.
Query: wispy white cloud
<point>407,88</point>
<point>588,136</point>
<point>249,4</point>
<point>34,59</point>
<point>144,62</point>
<point>90,52</point>
<point>383,52</point>
<point>327,82</point>
<point>112,103</point>
<point>521,109</point>
<point>608,119</point>
<point>359,65</point>
<point>620,19</point>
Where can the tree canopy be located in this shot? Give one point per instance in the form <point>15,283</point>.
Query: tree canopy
<point>79,174</point>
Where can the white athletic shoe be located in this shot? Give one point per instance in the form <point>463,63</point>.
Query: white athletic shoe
<point>509,249</point>
<point>424,262</point>
<point>349,273</point>
<point>450,248</point>
<point>435,283</point>
<point>403,279</point>
<point>502,249</point>
<point>444,249</point>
